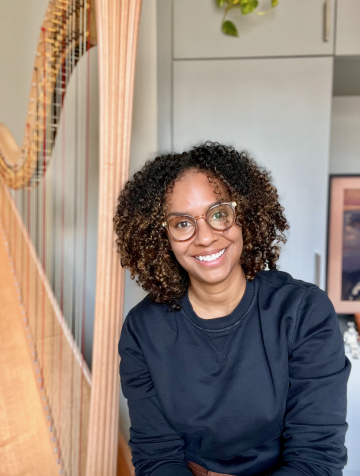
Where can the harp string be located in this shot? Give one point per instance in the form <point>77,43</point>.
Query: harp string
<point>43,218</point>
<point>87,18</point>
<point>47,224</point>
<point>73,415</point>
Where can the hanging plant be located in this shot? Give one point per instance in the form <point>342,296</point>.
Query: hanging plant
<point>245,6</point>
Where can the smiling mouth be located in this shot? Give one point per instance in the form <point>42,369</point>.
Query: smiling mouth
<point>212,257</point>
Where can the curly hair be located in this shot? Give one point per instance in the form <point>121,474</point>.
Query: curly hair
<point>142,241</point>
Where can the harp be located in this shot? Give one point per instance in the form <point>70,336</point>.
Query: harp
<point>81,408</point>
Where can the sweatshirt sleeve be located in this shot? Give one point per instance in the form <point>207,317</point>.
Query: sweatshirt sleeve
<point>315,421</point>
<point>156,445</point>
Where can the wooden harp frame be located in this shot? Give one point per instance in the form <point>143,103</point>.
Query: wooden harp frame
<point>117,24</point>
<point>117,27</point>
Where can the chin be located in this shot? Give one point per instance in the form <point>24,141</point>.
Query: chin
<point>211,277</point>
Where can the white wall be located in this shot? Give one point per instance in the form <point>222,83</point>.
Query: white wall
<point>144,131</point>
<point>345,135</point>
<point>20,23</point>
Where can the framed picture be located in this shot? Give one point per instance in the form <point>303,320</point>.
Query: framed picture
<point>343,264</point>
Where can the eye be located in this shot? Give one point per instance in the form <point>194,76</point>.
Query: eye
<point>220,214</point>
<point>182,224</point>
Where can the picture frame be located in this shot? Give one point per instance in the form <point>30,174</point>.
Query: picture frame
<point>343,246</point>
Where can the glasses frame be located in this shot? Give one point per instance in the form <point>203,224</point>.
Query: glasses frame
<point>165,224</point>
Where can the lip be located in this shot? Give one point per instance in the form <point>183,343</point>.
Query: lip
<point>210,264</point>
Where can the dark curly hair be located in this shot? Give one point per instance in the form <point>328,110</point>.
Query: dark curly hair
<point>142,242</point>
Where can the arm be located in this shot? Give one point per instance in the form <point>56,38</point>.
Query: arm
<point>315,420</point>
<point>156,445</point>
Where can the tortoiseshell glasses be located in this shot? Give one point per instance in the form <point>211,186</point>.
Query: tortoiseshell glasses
<point>219,217</point>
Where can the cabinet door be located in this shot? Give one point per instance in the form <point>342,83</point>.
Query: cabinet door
<point>348,27</point>
<point>278,110</point>
<point>293,28</point>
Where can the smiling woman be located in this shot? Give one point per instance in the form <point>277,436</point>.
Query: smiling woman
<point>171,185</point>
<point>228,367</point>
<point>210,251</point>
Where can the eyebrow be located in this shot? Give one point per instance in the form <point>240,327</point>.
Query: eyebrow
<point>177,214</point>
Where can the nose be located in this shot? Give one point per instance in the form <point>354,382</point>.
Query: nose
<point>204,233</point>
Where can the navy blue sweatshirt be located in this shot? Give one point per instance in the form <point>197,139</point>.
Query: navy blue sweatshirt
<point>259,391</point>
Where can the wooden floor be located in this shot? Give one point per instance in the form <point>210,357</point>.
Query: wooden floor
<point>25,444</point>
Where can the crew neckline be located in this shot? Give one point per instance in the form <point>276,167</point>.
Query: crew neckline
<point>220,323</point>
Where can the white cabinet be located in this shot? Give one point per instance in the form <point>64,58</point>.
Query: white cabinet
<point>293,28</point>
<point>279,110</point>
<point>348,27</point>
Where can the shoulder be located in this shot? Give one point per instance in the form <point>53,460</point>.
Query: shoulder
<point>279,279</point>
<point>136,327</point>
<point>148,315</point>
<point>148,309</point>
<point>297,296</point>
<point>307,312</point>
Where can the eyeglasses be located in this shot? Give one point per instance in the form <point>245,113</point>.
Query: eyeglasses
<point>219,217</point>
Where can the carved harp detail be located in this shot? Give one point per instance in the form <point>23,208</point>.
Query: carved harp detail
<point>83,407</point>
<point>67,32</point>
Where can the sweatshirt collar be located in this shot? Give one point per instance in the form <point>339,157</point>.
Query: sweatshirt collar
<point>220,323</point>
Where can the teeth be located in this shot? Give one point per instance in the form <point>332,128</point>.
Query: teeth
<point>210,257</point>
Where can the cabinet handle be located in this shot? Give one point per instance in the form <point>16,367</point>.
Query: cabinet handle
<point>327,20</point>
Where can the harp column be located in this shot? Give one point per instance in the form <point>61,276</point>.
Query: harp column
<point>117,32</point>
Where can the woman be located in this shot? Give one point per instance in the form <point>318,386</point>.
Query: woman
<point>228,368</point>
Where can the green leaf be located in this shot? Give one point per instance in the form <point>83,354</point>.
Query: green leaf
<point>274,3</point>
<point>229,28</point>
<point>248,6</point>
<point>220,3</point>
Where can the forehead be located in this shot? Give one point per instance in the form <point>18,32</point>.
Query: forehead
<point>193,193</point>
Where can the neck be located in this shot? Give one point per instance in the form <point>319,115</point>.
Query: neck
<point>217,300</point>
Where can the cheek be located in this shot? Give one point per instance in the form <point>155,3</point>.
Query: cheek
<point>240,237</point>
<point>178,250</point>
<point>237,242</point>
<point>234,234</point>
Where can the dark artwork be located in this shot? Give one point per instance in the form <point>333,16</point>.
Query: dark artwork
<point>351,247</point>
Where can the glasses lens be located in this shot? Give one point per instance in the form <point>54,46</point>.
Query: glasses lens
<point>182,228</point>
<point>221,217</point>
